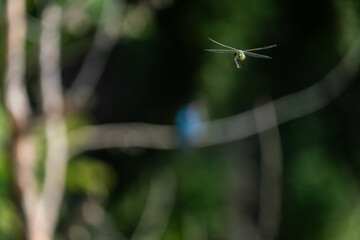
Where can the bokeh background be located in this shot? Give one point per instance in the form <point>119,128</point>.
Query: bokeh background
<point>167,141</point>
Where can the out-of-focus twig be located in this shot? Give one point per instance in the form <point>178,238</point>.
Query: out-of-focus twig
<point>270,174</point>
<point>123,136</point>
<point>235,127</point>
<point>55,128</point>
<point>16,100</point>
<point>105,39</point>
<point>194,227</point>
<point>158,207</point>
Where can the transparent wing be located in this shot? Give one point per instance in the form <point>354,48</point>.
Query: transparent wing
<point>261,48</point>
<point>222,44</point>
<point>256,55</point>
<point>220,50</point>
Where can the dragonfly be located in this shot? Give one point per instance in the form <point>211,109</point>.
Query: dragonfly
<point>239,55</point>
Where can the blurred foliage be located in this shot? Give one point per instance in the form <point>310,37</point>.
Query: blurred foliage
<point>157,66</point>
<point>10,224</point>
<point>96,178</point>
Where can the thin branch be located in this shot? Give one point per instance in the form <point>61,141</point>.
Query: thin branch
<point>235,127</point>
<point>158,208</point>
<point>194,227</point>
<point>23,160</point>
<point>105,39</point>
<point>55,128</point>
<point>16,100</point>
<point>123,135</point>
<point>270,174</point>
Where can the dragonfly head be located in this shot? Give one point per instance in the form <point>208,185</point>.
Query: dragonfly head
<point>240,55</point>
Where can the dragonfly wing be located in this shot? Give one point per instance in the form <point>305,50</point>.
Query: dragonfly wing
<point>221,44</point>
<point>256,55</point>
<point>220,50</point>
<point>261,48</point>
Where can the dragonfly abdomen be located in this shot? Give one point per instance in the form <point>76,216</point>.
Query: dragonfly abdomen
<point>237,61</point>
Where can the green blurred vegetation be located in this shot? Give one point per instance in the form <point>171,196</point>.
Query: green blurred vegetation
<point>156,66</point>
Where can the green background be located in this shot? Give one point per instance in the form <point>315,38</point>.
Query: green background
<point>158,65</point>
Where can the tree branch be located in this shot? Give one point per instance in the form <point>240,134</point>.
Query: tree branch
<point>231,128</point>
<point>16,99</point>
<point>55,128</point>
<point>270,174</point>
<point>90,72</point>
<point>17,104</point>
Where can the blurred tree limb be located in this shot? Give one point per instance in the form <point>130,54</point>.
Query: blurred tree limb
<point>16,99</point>
<point>158,207</point>
<point>231,128</point>
<point>106,37</point>
<point>270,175</point>
<point>22,150</point>
<point>55,127</point>
<point>39,208</point>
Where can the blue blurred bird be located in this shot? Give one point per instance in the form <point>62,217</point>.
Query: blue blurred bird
<point>187,121</point>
